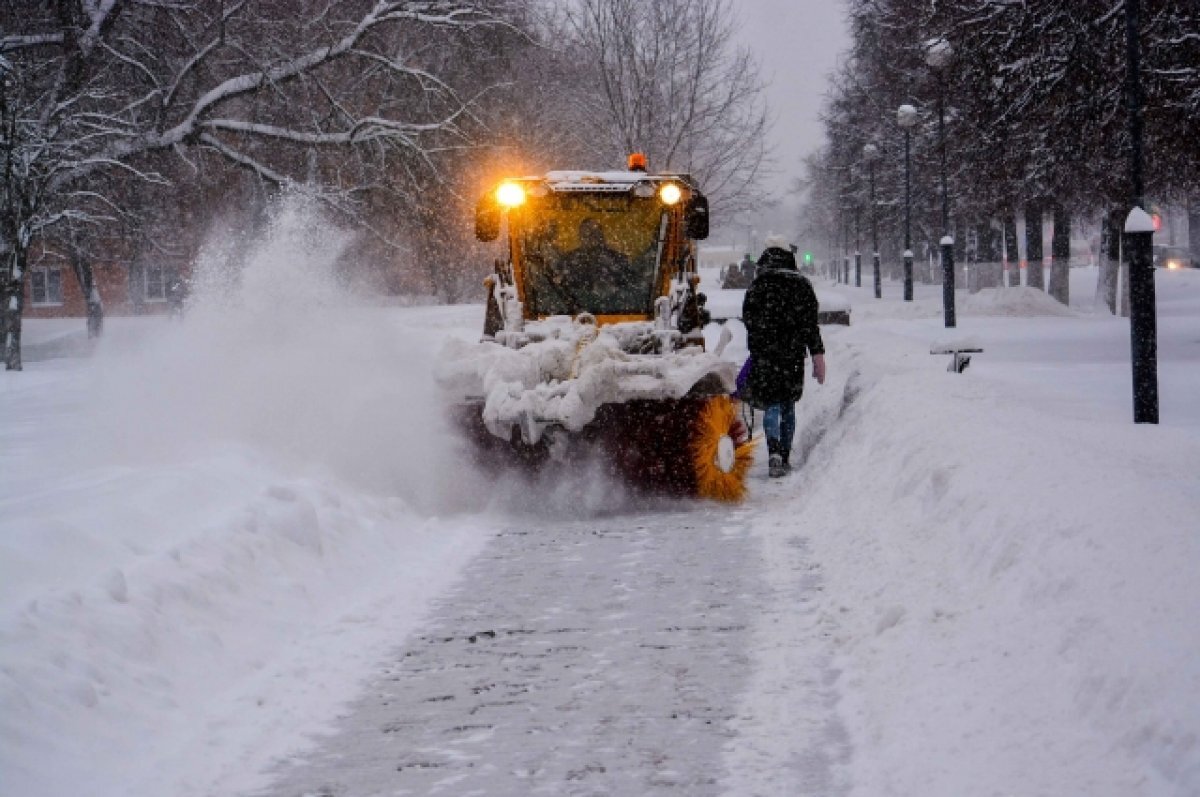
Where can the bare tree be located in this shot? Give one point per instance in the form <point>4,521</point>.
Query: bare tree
<point>109,89</point>
<point>670,83</point>
<point>529,90</point>
<point>1035,107</point>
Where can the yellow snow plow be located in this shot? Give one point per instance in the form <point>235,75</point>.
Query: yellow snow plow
<point>593,338</point>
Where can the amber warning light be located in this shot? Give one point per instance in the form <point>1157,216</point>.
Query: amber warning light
<point>510,195</point>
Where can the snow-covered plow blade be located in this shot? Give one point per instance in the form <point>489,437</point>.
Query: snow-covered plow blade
<point>690,447</point>
<point>659,422</point>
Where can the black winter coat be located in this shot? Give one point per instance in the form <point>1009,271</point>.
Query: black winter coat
<point>780,314</point>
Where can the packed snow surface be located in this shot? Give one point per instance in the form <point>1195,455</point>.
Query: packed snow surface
<point>215,534</point>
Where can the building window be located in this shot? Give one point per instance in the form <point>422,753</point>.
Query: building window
<point>156,284</point>
<point>46,285</point>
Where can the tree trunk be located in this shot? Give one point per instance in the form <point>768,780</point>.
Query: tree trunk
<point>1034,276</point>
<point>13,297</point>
<point>1012,256</point>
<point>987,254</point>
<point>1060,256</point>
<point>1193,216</point>
<point>82,267</point>
<point>1110,259</point>
<point>1124,280</point>
<point>978,259</point>
<point>963,276</point>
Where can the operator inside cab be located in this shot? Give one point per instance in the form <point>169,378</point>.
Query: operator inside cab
<point>592,252</point>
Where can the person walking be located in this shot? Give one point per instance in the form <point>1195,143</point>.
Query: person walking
<point>780,314</point>
<point>747,269</point>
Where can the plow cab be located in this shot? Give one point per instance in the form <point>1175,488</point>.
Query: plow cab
<point>593,338</point>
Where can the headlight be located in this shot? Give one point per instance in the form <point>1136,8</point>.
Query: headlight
<point>1173,264</point>
<point>670,194</point>
<point>510,195</point>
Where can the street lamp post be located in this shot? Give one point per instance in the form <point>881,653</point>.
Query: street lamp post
<point>938,53</point>
<point>1139,232</point>
<point>906,117</point>
<point>871,155</point>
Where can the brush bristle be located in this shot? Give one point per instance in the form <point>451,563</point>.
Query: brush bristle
<point>718,418</point>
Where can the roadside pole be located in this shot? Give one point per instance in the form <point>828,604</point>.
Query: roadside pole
<point>1139,236</point>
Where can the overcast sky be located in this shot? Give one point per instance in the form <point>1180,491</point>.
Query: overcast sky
<point>797,43</point>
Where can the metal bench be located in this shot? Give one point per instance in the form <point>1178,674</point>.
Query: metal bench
<point>960,354</point>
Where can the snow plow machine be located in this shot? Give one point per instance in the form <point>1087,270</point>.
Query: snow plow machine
<point>593,343</point>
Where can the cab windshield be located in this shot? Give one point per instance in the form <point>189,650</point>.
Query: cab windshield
<point>595,253</point>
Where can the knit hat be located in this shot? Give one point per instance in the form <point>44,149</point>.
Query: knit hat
<point>777,257</point>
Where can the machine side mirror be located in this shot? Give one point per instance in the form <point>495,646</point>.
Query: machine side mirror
<point>696,218</point>
<point>487,219</point>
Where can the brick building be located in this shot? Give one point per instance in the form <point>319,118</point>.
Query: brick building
<point>127,287</point>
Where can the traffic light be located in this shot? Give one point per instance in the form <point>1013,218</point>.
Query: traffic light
<point>808,258</point>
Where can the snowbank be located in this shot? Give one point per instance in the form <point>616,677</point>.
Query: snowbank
<point>1013,302</point>
<point>212,530</point>
<point>1006,567</point>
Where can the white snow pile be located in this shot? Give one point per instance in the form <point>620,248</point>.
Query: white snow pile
<point>831,301</point>
<point>1001,567</point>
<point>565,369</point>
<point>1022,302</point>
<point>209,534</point>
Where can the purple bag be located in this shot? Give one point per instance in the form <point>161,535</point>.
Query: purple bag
<point>743,381</point>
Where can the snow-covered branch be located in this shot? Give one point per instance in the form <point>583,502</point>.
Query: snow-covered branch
<point>103,95</point>
<point>10,43</point>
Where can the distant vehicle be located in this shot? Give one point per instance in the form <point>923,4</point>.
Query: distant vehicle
<point>738,275</point>
<point>1173,257</point>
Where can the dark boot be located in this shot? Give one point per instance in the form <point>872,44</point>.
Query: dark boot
<point>774,459</point>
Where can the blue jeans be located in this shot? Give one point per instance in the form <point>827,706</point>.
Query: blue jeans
<point>779,422</point>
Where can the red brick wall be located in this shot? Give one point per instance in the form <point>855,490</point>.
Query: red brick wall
<point>113,280</point>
